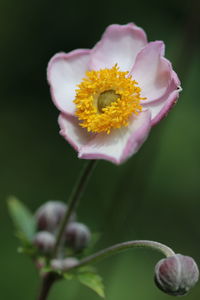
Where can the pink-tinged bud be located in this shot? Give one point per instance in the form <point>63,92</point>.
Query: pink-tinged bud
<point>56,264</point>
<point>49,215</point>
<point>64,264</point>
<point>77,236</point>
<point>176,275</point>
<point>44,242</point>
<point>40,263</point>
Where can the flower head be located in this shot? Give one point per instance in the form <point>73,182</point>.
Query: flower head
<point>110,96</point>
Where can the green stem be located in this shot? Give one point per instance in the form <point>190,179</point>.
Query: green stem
<point>124,246</point>
<point>74,200</point>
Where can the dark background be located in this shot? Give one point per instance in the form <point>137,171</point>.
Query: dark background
<point>155,195</point>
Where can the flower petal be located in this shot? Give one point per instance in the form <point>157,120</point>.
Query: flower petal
<point>152,71</point>
<point>121,143</point>
<point>160,109</point>
<point>72,132</point>
<point>119,44</point>
<point>64,72</point>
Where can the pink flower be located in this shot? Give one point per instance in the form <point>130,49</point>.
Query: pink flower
<point>110,96</point>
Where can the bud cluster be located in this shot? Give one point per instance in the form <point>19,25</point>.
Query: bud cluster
<point>174,275</point>
<point>76,235</point>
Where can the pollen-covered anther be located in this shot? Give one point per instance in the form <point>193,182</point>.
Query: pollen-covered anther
<point>106,99</point>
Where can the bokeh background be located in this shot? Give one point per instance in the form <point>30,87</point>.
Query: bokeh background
<point>155,195</point>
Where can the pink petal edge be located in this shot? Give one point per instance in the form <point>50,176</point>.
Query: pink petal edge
<point>62,56</point>
<point>137,139</point>
<point>150,61</point>
<point>72,132</point>
<point>169,103</point>
<point>112,54</point>
<point>156,107</point>
<point>132,144</point>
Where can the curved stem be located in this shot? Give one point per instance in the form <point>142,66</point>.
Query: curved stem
<point>124,246</point>
<point>74,199</point>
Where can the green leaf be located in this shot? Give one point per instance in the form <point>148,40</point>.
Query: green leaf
<point>93,281</point>
<point>22,219</point>
<point>88,277</point>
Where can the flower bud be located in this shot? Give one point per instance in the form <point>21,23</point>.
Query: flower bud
<point>40,263</point>
<point>63,264</point>
<point>77,236</point>
<point>176,275</point>
<point>56,264</point>
<point>50,214</point>
<point>44,242</point>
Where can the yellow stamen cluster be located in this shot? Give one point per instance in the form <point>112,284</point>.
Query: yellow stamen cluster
<point>106,99</point>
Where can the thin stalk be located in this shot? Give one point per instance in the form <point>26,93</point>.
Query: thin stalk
<point>74,200</point>
<point>122,247</point>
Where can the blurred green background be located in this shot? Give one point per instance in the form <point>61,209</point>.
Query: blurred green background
<point>155,195</point>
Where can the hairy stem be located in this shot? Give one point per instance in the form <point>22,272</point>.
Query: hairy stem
<point>124,246</point>
<point>50,277</point>
<point>46,285</point>
<point>74,200</point>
